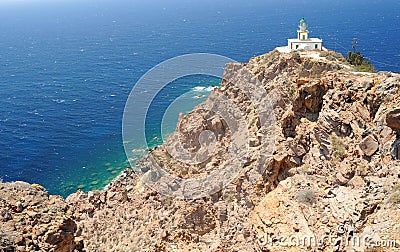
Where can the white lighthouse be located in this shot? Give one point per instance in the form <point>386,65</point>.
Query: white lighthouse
<point>303,42</point>
<point>302,33</point>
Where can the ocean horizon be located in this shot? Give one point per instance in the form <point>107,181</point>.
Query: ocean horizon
<point>67,68</point>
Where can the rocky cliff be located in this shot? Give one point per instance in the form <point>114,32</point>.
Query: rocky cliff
<point>331,183</point>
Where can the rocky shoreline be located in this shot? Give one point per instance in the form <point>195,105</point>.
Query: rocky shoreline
<point>334,172</point>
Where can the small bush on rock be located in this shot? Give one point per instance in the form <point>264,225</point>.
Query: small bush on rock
<point>306,196</point>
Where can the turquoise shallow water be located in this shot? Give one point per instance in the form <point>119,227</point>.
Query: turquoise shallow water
<point>67,68</point>
<point>95,168</point>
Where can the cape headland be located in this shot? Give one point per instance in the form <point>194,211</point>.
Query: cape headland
<point>334,175</point>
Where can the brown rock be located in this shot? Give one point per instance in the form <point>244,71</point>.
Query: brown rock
<point>5,214</point>
<point>79,245</point>
<point>342,180</point>
<point>122,196</point>
<point>18,240</point>
<point>21,249</point>
<point>36,222</point>
<point>18,207</point>
<point>369,145</point>
<point>216,124</point>
<point>356,182</point>
<point>393,119</point>
<point>253,142</point>
<point>38,187</point>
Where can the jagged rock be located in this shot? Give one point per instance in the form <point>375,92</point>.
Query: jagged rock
<point>309,97</point>
<point>18,207</point>
<point>393,119</point>
<point>62,237</point>
<point>198,220</point>
<point>33,219</point>
<point>341,179</point>
<point>37,186</point>
<point>216,124</point>
<point>254,142</point>
<point>369,145</point>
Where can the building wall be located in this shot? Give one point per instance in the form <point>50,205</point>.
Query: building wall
<point>305,45</point>
<point>301,35</point>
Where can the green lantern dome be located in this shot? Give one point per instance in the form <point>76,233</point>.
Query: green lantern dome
<point>303,25</point>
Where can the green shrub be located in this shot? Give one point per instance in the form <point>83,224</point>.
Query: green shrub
<point>396,188</point>
<point>360,62</point>
<point>338,148</point>
<point>306,196</point>
<point>395,198</point>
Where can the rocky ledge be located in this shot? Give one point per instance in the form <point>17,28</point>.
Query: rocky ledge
<point>334,175</point>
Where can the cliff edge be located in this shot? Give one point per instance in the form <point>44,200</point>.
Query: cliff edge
<point>333,176</point>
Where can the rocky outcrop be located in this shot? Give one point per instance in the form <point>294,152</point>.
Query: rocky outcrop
<point>332,176</point>
<point>31,220</point>
<point>308,209</point>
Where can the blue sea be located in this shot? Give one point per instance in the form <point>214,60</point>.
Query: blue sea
<point>67,68</point>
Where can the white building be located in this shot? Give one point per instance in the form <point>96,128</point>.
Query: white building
<point>303,42</point>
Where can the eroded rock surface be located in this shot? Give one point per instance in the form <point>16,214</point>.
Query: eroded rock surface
<point>31,220</point>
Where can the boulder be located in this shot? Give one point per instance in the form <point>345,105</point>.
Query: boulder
<point>393,119</point>
<point>369,145</point>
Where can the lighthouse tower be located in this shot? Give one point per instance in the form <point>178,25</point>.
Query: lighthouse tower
<point>303,41</point>
<point>302,33</point>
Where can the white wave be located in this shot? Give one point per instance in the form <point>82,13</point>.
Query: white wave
<point>209,89</point>
<point>198,88</point>
<point>203,89</point>
<point>58,100</point>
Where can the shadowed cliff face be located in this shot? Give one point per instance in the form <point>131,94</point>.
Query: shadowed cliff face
<point>334,168</point>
